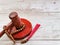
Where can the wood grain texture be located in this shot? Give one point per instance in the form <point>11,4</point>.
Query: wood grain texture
<point>44,12</point>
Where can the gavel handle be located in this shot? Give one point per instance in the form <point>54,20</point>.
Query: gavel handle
<point>10,36</point>
<point>10,25</point>
<point>1,33</point>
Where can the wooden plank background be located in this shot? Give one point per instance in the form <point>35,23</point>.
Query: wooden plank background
<point>44,12</point>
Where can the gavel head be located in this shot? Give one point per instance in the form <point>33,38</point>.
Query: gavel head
<point>13,15</point>
<point>15,19</point>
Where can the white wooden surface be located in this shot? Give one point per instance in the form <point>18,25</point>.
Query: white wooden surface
<point>44,12</point>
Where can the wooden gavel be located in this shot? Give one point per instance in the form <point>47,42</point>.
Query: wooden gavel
<point>15,21</point>
<point>19,24</point>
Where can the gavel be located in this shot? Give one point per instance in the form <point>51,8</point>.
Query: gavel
<point>15,21</point>
<point>19,24</point>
